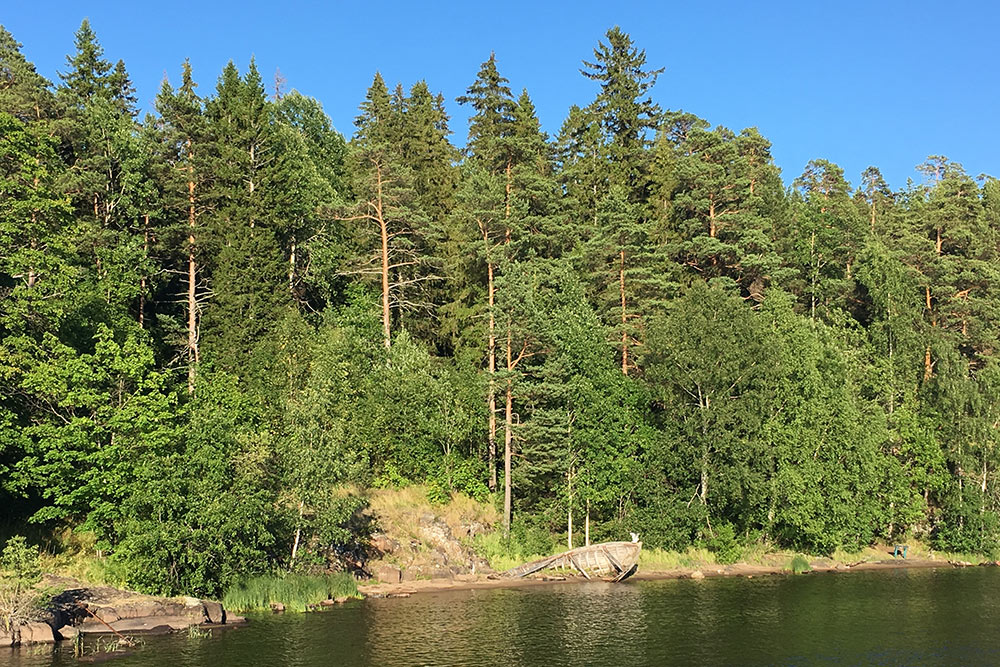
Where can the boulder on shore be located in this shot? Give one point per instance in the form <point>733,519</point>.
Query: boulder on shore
<point>388,574</point>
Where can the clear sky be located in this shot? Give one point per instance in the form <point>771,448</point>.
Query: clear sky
<point>857,83</point>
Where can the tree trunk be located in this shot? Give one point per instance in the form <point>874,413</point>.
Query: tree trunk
<point>291,268</point>
<point>34,226</point>
<point>712,231</point>
<point>586,527</point>
<point>569,509</point>
<point>32,276</point>
<point>142,280</point>
<point>492,366</point>
<point>192,302</point>
<point>813,270</point>
<point>507,189</point>
<point>621,289</point>
<point>298,531</point>
<point>384,231</point>
<point>928,364</point>
<point>704,403</point>
<point>508,434</point>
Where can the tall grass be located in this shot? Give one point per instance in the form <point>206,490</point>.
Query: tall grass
<point>504,553</point>
<point>661,559</point>
<point>297,592</point>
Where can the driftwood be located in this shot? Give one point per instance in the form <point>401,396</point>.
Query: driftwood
<point>609,560</point>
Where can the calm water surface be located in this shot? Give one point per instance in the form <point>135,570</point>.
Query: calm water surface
<point>895,617</point>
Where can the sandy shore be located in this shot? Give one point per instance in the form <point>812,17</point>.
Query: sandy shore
<point>475,582</point>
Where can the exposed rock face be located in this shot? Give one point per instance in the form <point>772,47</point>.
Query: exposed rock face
<point>434,552</point>
<point>384,544</point>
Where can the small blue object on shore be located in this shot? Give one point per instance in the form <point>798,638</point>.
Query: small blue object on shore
<point>900,549</point>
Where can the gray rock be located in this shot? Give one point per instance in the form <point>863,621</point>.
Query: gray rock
<point>214,612</point>
<point>389,574</point>
<point>37,633</point>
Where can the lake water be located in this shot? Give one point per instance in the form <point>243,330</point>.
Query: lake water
<point>890,617</point>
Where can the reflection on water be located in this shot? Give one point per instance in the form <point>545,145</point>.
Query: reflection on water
<point>897,617</point>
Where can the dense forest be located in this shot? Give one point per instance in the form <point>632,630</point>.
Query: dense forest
<point>222,323</point>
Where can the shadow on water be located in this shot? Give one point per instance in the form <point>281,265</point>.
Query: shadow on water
<point>895,617</point>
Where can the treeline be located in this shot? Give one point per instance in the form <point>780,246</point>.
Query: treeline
<point>221,322</point>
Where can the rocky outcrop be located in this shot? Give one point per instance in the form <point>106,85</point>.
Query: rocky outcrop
<point>81,609</point>
<point>432,552</point>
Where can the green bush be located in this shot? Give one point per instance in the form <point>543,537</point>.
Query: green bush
<point>437,493</point>
<point>20,570</point>
<point>723,544</point>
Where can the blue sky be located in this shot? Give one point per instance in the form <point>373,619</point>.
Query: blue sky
<point>883,83</point>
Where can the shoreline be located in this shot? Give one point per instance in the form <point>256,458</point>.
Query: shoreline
<point>748,570</point>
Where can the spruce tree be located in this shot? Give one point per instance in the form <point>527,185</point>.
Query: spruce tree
<point>248,276</point>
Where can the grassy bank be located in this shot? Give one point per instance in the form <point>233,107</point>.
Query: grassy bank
<point>296,592</point>
<point>502,555</point>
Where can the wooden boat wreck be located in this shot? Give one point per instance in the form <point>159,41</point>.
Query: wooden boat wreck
<point>612,561</point>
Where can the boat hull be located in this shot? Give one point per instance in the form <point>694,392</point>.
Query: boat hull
<point>614,561</point>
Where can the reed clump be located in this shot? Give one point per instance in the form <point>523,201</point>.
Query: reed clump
<point>800,564</point>
<point>295,592</point>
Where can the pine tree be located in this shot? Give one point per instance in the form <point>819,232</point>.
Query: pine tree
<point>485,202</point>
<point>107,176</point>
<point>24,93</point>
<point>89,74</point>
<point>713,191</point>
<point>390,240</point>
<point>183,154</point>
